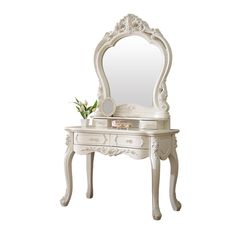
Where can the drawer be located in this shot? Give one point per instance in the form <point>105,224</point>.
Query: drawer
<point>91,139</point>
<point>129,141</point>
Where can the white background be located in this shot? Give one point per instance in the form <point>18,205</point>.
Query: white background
<point>46,58</point>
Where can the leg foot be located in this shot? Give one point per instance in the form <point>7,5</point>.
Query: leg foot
<point>156,214</point>
<point>64,202</point>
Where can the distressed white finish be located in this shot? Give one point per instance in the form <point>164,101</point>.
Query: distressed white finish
<point>128,26</point>
<point>150,134</point>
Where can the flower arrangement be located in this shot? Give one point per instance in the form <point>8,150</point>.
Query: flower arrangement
<point>84,109</point>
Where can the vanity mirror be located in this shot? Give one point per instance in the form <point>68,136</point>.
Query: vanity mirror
<point>132,63</point>
<point>133,66</point>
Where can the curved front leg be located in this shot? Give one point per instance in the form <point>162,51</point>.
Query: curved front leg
<point>68,170</point>
<point>89,162</point>
<point>174,166</point>
<point>155,163</point>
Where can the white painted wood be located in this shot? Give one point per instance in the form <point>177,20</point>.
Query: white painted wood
<point>153,124</point>
<point>136,122</point>
<point>105,123</point>
<point>89,164</point>
<point>150,134</point>
<point>68,169</point>
<point>136,143</point>
<point>94,139</point>
<point>136,131</point>
<point>129,141</point>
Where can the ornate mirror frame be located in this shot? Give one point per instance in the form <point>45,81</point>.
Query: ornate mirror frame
<point>128,26</point>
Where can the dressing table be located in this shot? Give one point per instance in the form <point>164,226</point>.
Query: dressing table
<point>132,63</point>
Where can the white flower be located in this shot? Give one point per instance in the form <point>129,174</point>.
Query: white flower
<point>85,103</point>
<point>81,108</point>
<point>94,109</point>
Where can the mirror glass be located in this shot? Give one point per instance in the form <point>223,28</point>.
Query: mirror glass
<point>132,68</point>
<point>108,106</point>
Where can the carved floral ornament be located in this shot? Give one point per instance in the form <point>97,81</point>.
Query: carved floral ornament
<point>132,25</point>
<point>163,147</point>
<point>113,151</point>
<point>68,139</point>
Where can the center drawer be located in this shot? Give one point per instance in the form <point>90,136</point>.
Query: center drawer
<point>129,141</point>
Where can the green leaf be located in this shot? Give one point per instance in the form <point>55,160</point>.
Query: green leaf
<point>83,115</point>
<point>89,109</point>
<point>95,104</point>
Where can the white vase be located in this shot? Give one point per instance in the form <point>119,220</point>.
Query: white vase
<point>84,122</point>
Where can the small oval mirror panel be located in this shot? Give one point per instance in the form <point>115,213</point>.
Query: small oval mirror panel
<point>108,106</point>
<point>132,68</point>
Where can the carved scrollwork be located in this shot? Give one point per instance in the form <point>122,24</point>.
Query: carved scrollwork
<point>174,142</point>
<point>161,147</point>
<point>131,23</point>
<point>128,24</point>
<point>155,33</point>
<point>69,140</point>
<point>99,99</point>
<point>112,151</point>
<point>162,97</point>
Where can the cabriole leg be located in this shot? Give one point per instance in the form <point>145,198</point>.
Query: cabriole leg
<point>176,205</point>
<point>68,171</point>
<point>89,163</point>
<point>155,163</point>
